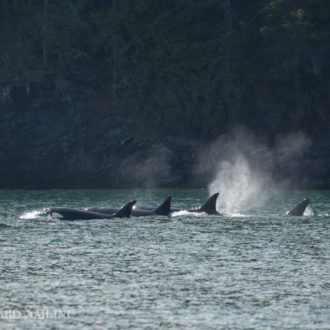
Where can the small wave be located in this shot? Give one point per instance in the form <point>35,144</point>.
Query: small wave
<point>185,212</point>
<point>308,211</point>
<point>31,214</point>
<point>236,215</point>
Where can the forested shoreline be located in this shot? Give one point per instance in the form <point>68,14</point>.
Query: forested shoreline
<point>95,73</point>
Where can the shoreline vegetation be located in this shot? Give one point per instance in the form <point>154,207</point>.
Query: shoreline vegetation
<point>109,94</point>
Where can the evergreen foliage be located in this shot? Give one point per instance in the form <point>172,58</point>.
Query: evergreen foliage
<point>209,64</point>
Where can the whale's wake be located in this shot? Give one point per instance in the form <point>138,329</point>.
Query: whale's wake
<point>308,211</point>
<point>187,213</point>
<point>31,214</point>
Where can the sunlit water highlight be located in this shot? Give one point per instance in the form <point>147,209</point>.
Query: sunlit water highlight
<point>256,268</point>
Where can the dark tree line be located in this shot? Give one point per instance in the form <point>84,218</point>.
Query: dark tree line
<point>209,64</point>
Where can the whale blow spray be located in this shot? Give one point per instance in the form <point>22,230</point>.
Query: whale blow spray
<point>241,167</point>
<point>239,186</point>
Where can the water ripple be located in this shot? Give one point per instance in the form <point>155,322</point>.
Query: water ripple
<point>262,270</point>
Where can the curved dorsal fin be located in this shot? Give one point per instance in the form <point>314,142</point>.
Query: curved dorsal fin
<point>299,209</point>
<point>209,206</point>
<point>165,207</point>
<point>125,211</point>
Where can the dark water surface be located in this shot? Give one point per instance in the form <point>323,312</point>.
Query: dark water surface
<point>254,269</point>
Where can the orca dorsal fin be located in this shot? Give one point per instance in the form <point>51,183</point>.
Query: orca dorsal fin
<point>209,206</point>
<point>165,207</point>
<point>125,211</point>
<point>299,209</point>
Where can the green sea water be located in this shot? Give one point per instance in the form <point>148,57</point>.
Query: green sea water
<point>252,268</point>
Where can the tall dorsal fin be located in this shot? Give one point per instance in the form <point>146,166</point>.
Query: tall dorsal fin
<point>165,207</point>
<point>125,211</point>
<point>210,205</point>
<point>299,209</point>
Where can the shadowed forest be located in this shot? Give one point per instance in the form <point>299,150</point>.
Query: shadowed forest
<point>193,68</point>
<point>209,63</point>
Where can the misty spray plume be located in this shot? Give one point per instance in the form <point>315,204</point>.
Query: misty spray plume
<point>241,167</point>
<point>147,169</point>
<point>239,183</point>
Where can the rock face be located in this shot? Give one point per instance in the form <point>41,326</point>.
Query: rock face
<point>50,143</point>
<point>46,143</point>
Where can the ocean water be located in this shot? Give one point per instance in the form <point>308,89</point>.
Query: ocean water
<point>256,268</point>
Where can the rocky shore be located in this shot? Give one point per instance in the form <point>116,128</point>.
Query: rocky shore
<point>48,143</point>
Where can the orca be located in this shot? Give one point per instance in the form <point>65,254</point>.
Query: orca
<point>208,207</point>
<point>143,211</point>
<point>66,213</point>
<point>299,209</point>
